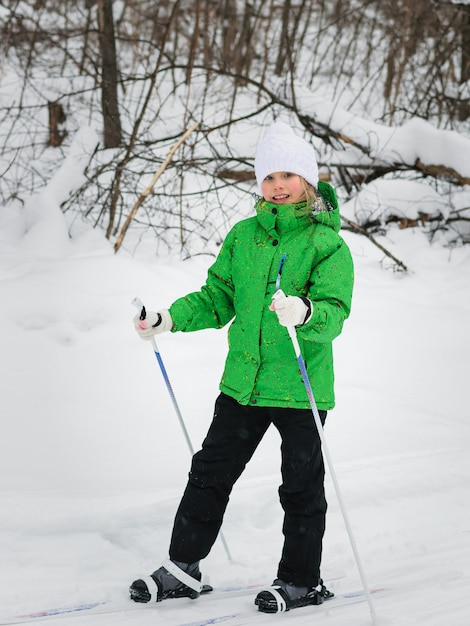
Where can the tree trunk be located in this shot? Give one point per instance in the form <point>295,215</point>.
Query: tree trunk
<point>109,75</point>
<point>57,132</point>
<point>464,109</point>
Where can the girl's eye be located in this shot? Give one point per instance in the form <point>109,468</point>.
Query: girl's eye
<point>288,174</point>
<point>268,177</point>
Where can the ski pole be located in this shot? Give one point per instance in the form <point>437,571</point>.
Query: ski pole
<point>138,303</point>
<point>303,370</point>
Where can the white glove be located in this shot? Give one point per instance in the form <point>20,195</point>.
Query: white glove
<point>292,310</point>
<point>153,324</point>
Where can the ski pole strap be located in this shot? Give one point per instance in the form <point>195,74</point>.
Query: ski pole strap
<point>279,271</point>
<point>137,302</point>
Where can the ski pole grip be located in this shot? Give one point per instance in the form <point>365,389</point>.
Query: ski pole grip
<point>137,302</point>
<point>278,295</point>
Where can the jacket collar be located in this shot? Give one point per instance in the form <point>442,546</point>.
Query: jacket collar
<point>281,218</point>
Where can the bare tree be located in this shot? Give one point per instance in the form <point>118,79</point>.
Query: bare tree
<point>228,66</point>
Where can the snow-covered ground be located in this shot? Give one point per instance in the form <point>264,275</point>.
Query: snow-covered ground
<point>93,461</point>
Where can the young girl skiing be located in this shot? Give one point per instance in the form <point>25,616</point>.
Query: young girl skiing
<point>292,243</point>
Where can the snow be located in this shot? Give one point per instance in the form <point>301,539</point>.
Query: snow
<point>416,139</point>
<point>383,198</point>
<point>93,461</point>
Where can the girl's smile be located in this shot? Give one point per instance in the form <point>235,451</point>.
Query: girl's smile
<point>283,188</point>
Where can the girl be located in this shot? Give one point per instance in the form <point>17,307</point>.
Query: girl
<point>291,243</point>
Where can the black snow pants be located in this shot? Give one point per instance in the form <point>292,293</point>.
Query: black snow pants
<point>232,438</point>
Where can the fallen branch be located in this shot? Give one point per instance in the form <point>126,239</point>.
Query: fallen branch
<point>151,185</point>
<point>362,231</point>
<point>442,171</point>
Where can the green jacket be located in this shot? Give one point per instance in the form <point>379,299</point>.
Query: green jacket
<point>261,368</point>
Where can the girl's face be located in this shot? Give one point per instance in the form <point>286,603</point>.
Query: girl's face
<point>283,188</point>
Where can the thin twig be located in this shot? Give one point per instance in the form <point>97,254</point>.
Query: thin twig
<point>362,231</point>
<point>151,185</point>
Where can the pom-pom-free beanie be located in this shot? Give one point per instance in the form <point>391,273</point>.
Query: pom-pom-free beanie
<point>281,150</point>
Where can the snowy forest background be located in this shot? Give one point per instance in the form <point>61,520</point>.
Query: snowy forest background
<point>362,79</point>
<point>96,98</point>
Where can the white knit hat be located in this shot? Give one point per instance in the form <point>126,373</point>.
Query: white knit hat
<point>281,150</point>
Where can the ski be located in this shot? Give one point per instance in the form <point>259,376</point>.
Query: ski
<point>243,618</point>
<point>105,606</point>
<point>238,600</point>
